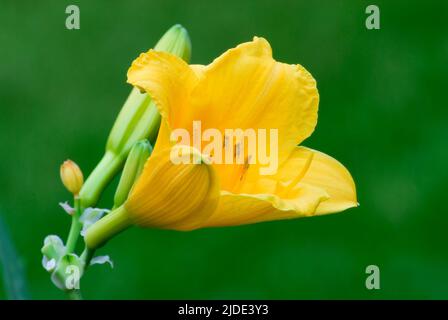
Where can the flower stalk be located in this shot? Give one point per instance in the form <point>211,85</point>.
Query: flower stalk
<point>115,222</point>
<point>138,119</point>
<point>75,227</point>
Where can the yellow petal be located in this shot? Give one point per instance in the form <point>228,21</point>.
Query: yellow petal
<point>309,183</point>
<point>329,174</point>
<point>174,196</point>
<point>243,88</point>
<point>163,141</point>
<point>246,88</point>
<point>168,80</point>
<point>236,209</point>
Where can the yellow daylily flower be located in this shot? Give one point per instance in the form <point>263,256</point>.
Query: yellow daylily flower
<point>243,88</point>
<point>246,88</point>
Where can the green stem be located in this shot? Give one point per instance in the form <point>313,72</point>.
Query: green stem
<point>86,256</point>
<point>100,177</point>
<point>107,227</point>
<point>75,228</point>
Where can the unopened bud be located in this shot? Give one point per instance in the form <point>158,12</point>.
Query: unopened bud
<point>133,167</point>
<point>139,117</point>
<point>71,177</point>
<point>176,41</point>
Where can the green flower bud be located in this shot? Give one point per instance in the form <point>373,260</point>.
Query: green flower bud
<point>133,167</point>
<point>138,119</point>
<point>176,41</point>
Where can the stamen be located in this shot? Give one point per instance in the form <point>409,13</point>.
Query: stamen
<point>245,166</point>
<point>300,176</point>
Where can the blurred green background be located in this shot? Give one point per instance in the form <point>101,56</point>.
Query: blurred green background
<point>382,113</point>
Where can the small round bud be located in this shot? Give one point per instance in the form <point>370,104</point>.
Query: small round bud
<point>71,177</point>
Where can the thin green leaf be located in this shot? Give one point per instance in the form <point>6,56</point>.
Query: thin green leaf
<point>13,272</point>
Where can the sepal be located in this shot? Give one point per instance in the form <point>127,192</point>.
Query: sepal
<point>68,272</point>
<point>90,216</point>
<point>102,260</point>
<point>67,208</point>
<point>52,250</point>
